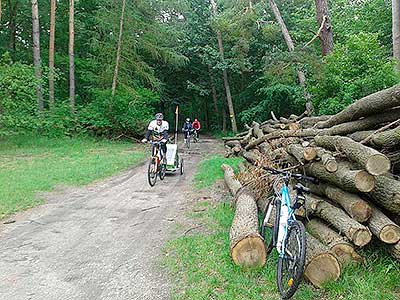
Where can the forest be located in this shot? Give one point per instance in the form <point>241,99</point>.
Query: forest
<point>105,67</point>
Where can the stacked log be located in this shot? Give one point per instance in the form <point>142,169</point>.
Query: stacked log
<point>355,154</point>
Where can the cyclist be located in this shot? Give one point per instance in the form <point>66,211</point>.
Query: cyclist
<point>158,130</point>
<point>187,128</point>
<point>196,126</point>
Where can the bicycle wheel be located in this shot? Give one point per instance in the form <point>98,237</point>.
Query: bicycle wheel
<point>269,232</point>
<point>188,142</point>
<point>163,170</point>
<point>182,167</point>
<point>291,262</point>
<point>152,172</point>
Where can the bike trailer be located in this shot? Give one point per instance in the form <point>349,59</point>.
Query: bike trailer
<point>173,161</point>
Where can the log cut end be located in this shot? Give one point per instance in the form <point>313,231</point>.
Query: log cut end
<point>390,234</point>
<point>309,153</point>
<point>377,164</point>
<point>331,165</point>
<point>249,252</point>
<point>346,253</point>
<point>364,181</point>
<point>323,268</point>
<point>361,237</point>
<point>361,211</point>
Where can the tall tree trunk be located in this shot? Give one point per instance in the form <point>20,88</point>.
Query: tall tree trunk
<point>213,89</point>
<point>12,26</point>
<point>71,57</point>
<point>223,119</point>
<point>396,31</point>
<point>36,52</point>
<point>289,42</point>
<point>225,73</point>
<point>121,26</point>
<point>51,52</point>
<point>326,36</point>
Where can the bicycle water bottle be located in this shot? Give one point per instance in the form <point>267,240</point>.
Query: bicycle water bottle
<point>283,220</point>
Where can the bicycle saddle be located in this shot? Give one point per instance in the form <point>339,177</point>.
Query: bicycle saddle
<point>301,188</point>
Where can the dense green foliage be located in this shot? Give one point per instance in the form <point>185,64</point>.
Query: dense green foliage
<point>170,57</point>
<point>29,165</point>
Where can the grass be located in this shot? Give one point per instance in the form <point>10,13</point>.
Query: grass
<point>30,164</point>
<point>209,170</point>
<point>202,268</point>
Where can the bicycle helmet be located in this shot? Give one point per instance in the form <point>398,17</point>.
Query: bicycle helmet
<point>188,120</point>
<point>159,116</point>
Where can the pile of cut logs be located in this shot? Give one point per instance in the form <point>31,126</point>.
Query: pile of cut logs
<point>355,154</point>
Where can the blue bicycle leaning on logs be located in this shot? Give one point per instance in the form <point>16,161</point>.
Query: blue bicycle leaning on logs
<point>282,231</point>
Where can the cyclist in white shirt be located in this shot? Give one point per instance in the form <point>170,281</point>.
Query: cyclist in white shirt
<point>158,131</point>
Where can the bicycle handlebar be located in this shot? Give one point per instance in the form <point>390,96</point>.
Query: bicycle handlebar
<point>295,175</point>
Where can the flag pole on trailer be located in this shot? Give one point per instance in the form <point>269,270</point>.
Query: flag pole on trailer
<point>176,123</point>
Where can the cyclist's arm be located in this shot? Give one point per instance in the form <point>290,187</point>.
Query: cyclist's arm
<point>148,133</point>
<point>165,135</point>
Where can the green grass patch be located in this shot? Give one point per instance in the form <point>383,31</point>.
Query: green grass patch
<point>202,269</point>
<point>32,164</point>
<point>209,170</point>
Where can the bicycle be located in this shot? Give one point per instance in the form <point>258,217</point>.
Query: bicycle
<point>156,166</point>
<point>187,140</point>
<point>286,234</point>
<point>195,136</point>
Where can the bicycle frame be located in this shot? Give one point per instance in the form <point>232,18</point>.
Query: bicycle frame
<point>155,153</point>
<point>282,200</point>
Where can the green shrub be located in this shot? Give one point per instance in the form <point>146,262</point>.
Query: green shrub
<point>282,99</point>
<point>355,69</point>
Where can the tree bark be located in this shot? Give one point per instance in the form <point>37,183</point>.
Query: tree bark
<point>386,139</point>
<point>36,53</point>
<point>394,250</point>
<point>354,231</point>
<point>383,228</point>
<point>327,159</point>
<point>366,106</point>
<point>303,155</point>
<point>371,160</point>
<point>396,31</point>
<point>335,242</point>
<point>289,42</point>
<point>326,36</point>
<point>311,121</point>
<point>349,180</point>
<point>117,60</point>
<point>12,26</point>
<point>321,265</point>
<point>213,89</point>
<point>340,129</point>
<point>51,52</point>
<point>224,72</point>
<point>71,57</point>
<point>356,207</point>
<point>387,193</point>
<point>246,244</point>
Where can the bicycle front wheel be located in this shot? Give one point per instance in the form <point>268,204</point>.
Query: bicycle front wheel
<point>291,261</point>
<point>152,172</point>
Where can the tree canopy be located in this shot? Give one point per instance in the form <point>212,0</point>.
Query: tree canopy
<point>170,56</point>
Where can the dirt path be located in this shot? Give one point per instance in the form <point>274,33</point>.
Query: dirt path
<point>99,242</point>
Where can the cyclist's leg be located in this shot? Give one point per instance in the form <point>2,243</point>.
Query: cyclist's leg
<point>163,147</point>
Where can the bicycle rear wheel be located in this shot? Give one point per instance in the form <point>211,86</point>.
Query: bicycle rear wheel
<point>152,172</point>
<point>291,262</point>
<point>269,231</point>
